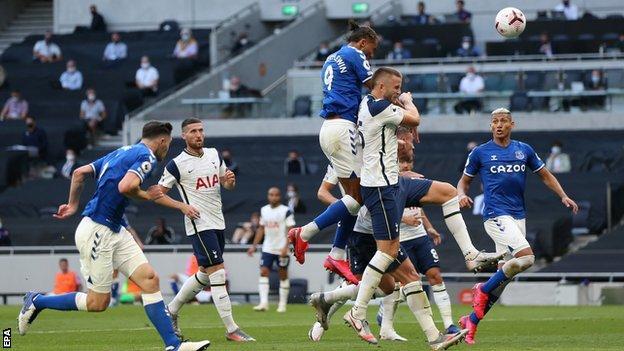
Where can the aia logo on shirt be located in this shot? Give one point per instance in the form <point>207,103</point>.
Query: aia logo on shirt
<point>206,182</point>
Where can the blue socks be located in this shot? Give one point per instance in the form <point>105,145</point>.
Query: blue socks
<point>343,231</point>
<point>473,317</point>
<point>162,322</point>
<point>494,282</point>
<point>64,302</point>
<point>332,215</point>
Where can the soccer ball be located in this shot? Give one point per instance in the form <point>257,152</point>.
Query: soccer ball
<point>510,22</point>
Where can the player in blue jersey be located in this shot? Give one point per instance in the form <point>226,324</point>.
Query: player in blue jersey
<point>502,164</point>
<point>343,75</point>
<point>104,246</point>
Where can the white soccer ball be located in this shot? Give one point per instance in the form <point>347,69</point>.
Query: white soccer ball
<point>510,22</point>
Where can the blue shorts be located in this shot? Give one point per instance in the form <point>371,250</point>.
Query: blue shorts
<point>411,191</point>
<point>422,254</point>
<point>208,247</point>
<point>361,248</point>
<point>269,260</point>
<point>384,209</point>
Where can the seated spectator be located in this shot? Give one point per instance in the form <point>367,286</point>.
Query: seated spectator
<point>160,234</point>
<point>237,89</point>
<point>422,17</point>
<point>5,239</point>
<point>97,21</point>
<point>558,161</point>
<point>115,51</point>
<point>595,81</point>
<point>242,43</point>
<point>545,45</point>
<point>146,78</point>
<point>246,231</point>
<point>294,164</point>
<point>472,83</point>
<point>468,49</point>
<point>71,79</point>
<point>398,52</point>
<point>322,53</point>
<point>66,281</point>
<point>462,14</point>
<point>70,164</point>
<point>186,47</point>
<point>35,139</point>
<point>92,113</point>
<point>294,199</point>
<point>46,51</point>
<point>569,10</point>
<point>226,156</point>
<point>15,107</point>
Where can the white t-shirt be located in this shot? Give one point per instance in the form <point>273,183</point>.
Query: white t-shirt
<point>378,120</point>
<point>332,178</point>
<point>471,84</point>
<point>570,12</point>
<point>197,180</point>
<point>276,221</point>
<point>147,76</point>
<point>115,51</point>
<point>409,232</point>
<point>47,50</point>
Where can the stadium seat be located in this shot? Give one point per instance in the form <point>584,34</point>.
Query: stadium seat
<point>519,102</point>
<point>509,81</point>
<point>615,78</point>
<point>302,106</point>
<point>492,81</point>
<point>580,220</point>
<point>430,83</point>
<point>533,80</point>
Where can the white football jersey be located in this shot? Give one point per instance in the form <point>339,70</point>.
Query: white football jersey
<point>332,178</point>
<point>276,221</point>
<point>378,120</point>
<point>409,232</point>
<point>198,181</point>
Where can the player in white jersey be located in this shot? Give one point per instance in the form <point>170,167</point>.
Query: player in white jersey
<point>276,220</point>
<point>199,173</point>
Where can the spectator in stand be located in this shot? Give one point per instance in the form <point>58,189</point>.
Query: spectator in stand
<point>35,139</point>
<point>242,43</point>
<point>422,17</point>
<point>293,198</point>
<point>472,83</point>
<point>92,113</point>
<point>66,281</point>
<point>46,51</point>
<point>146,78</point>
<point>398,52</point>
<point>97,21</point>
<point>545,45</point>
<point>558,161</point>
<point>186,47</point>
<point>160,234</point>
<point>226,156</point>
<point>462,14</point>
<point>71,79</point>
<point>245,231</point>
<point>323,52</point>
<point>569,10</point>
<point>5,239</point>
<point>237,89</point>
<point>467,48</point>
<point>595,81</point>
<point>70,164</point>
<point>294,163</point>
<point>115,51</point>
<point>15,107</point>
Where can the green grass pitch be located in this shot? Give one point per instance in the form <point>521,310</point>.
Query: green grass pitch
<point>505,328</point>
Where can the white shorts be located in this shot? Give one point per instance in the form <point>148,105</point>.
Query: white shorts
<point>508,233</point>
<point>101,251</point>
<point>341,144</point>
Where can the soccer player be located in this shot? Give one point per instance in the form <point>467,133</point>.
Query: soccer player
<point>199,173</point>
<point>343,75</point>
<point>276,220</point>
<point>103,246</point>
<point>502,164</point>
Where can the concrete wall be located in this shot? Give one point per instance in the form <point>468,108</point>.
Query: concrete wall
<point>9,9</point>
<point>145,14</point>
<point>272,9</point>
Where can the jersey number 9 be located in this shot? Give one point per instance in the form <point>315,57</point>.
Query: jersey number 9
<point>329,77</point>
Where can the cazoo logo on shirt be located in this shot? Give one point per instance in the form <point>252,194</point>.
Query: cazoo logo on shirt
<point>508,169</point>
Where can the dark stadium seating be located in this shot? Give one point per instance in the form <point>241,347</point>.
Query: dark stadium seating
<point>436,40</point>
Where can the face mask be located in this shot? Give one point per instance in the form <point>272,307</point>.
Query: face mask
<point>70,157</point>
<point>145,64</point>
<point>185,36</point>
<point>466,45</point>
<point>71,69</point>
<point>470,75</point>
<point>595,79</point>
<point>91,97</point>
<point>291,194</point>
<point>244,41</point>
<point>324,51</point>
<point>555,150</point>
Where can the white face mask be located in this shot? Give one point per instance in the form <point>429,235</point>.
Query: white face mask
<point>555,150</point>
<point>466,45</point>
<point>91,97</point>
<point>595,79</point>
<point>324,51</point>
<point>185,36</point>
<point>145,64</point>
<point>71,69</point>
<point>244,41</point>
<point>291,194</point>
<point>70,157</point>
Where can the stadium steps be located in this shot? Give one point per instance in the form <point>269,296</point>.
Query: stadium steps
<point>36,18</point>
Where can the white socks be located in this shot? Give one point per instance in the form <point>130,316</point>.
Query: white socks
<point>341,293</point>
<point>222,299</point>
<point>81,301</point>
<point>443,301</point>
<point>338,254</point>
<point>517,265</point>
<point>149,299</point>
<point>389,306</point>
<point>309,230</point>
<point>263,290</point>
<point>456,225</point>
<point>191,287</point>
<point>284,289</point>
<point>370,281</point>
<point>418,303</point>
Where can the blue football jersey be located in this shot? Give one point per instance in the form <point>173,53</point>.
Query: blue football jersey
<point>343,74</point>
<point>503,174</point>
<point>107,206</point>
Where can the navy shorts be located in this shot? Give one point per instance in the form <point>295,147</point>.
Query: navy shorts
<point>361,248</point>
<point>411,190</point>
<point>208,247</point>
<point>422,254</point>
<point>384,209</point>
<point>270,260</point>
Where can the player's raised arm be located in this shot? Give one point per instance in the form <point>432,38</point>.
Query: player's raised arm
<point>130,186</point>
<point>170,176</point>
<point>553,184</point>
<point>77,184</point>
<point>228,180</point>
<point>411,116</point>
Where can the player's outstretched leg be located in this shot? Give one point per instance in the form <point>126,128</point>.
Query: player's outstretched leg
<point>336,261</point>
<point>35,302</point>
